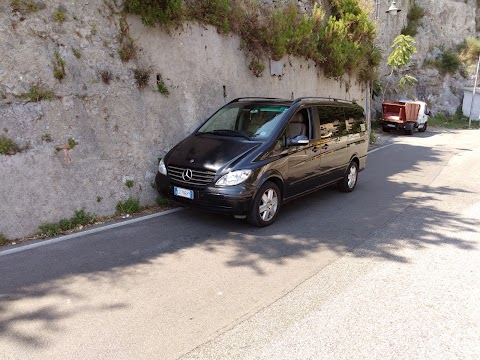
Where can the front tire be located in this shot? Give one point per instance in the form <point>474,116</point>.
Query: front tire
<point>266,205</point>
<point>349,181</point>
<point>424,128</point>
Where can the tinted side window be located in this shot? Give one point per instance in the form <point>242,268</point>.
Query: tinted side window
<point>355,120</point>
<point>301,124</point>
<point>332,121</point>
<point>307,119</point>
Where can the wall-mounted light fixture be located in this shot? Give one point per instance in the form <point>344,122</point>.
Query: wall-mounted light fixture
<point>392,10</point>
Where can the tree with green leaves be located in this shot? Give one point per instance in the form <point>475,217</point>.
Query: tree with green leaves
<point>404,48</point>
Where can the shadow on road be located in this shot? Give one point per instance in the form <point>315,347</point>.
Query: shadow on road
<point>325,220</point>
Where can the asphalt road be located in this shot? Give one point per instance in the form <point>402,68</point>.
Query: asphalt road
<point>388,271</point>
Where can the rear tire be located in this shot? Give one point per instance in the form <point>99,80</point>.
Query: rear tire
<point>386,129</point>
<point>265,206</point>
<point>409,127</point>
<point>349,181</point>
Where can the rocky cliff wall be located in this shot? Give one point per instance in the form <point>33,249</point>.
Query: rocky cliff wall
<point>121,130</point>
<point>445,25</point>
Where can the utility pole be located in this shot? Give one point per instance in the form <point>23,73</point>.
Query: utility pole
<point>473,94</point>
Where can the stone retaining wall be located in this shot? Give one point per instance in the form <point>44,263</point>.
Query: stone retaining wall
<point>121,130</point>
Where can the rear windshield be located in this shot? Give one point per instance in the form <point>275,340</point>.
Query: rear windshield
<point>254,121</point>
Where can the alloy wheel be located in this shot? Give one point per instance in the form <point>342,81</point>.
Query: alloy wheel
<point>268,205</point>
<point>352,176</point>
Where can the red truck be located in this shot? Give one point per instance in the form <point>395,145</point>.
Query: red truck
<point>404,115</point>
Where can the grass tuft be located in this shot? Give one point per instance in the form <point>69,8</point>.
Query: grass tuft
<point>141,77</point>
<point>106,76</point>
<point>72,143</point>
<point>470,50</point>
<point>257,67</point>
<point>456,121</point>
<point>47,138</point>
<point>8,146</point>
<point>213,12</point>
<point>25,7</point>
<point>58,66</point>
<point>4,240</point>
<point>80,218</point>
<point>163,201</point>
<point>59,16</point>
<point>169,13</point>
<point>162,88</point>
<point>129,206</point>
<point>448,62</point>
<point>37,92</point>
<point>414,17</point>
<point>128,49</point>
<point>77,53</point>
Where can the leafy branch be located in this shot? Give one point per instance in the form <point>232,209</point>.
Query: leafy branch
<point>404,48</point>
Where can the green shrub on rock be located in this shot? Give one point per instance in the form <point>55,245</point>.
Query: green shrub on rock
<point>8,146</point>
<point>340,44</point>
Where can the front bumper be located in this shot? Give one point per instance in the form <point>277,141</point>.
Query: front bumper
<point>230,200</point>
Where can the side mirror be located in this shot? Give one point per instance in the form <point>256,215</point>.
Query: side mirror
<point>429,113</point>
<point>297,140</point>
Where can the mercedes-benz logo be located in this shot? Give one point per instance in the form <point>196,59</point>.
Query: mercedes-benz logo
<point>187,175</point>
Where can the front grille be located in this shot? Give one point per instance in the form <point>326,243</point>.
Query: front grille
<point>199,177</point>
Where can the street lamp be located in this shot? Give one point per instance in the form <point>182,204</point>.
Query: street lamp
<point>473,95</point>
<point>392,10</point>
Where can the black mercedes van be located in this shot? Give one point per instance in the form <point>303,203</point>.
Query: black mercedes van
<point>255,154</point>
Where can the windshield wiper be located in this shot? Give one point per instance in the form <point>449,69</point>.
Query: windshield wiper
<point>226,132</point>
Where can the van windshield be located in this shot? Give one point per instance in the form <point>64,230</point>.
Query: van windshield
<point>253,121</point>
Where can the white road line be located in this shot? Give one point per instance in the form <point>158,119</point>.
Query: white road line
<point>380,148</point>
<point>86,232</point>
<point>107,227</point>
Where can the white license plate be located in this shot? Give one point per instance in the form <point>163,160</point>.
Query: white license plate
<point>183,192</point>
<point>390,125</point>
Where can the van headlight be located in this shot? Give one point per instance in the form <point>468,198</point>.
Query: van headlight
<point>233,178</point>
<point>162,168</point>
